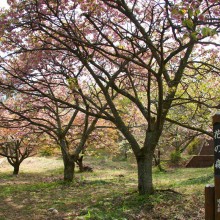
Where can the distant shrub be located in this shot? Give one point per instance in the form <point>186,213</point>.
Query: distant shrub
<point>125,149</point>
<point>46,151</point>
<point>175,157</point>
<point>194,146</point>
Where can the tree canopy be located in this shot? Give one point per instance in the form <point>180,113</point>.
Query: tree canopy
<point>157,55</point>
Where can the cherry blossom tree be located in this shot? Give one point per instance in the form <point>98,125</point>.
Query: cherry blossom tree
<point>17,145</point>
<point>141,50</point>
<point>37,97</point>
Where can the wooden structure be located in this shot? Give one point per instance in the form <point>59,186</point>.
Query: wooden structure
<point>205,157</point>
<point>212,193</point>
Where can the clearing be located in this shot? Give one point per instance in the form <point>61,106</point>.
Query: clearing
<point>109,193</point>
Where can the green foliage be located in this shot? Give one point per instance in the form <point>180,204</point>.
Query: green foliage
<point>193,147</point>
<point>188,23</point>
<point>46,151</point>
<point>175,157</point>
<point>207,31</point>
<point>124,148</point>
<point>123,104</point>
<point>73,83</point>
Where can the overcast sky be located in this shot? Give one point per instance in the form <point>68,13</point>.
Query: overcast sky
<point>3,3</point>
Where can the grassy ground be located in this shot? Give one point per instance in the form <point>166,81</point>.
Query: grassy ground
<point>109,193</point>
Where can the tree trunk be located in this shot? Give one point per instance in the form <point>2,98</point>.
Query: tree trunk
<point>80,164</point>
<point>68,161</point>
<point>16,169</point>
<point>145,183</point>
<point>69,167</point>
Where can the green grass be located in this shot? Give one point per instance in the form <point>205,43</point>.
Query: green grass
<point>109,193</point>
<point>181,178</point>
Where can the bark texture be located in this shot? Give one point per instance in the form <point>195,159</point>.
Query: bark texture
<point>69,167</point>
<point>16,169</point>
<point>68,161</point>
<point>145,184</point>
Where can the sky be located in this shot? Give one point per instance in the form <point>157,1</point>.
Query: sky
<point>3,3</point>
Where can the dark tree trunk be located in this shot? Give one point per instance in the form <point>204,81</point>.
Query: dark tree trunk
<point>69,167</point>
<point>145,183</point>
<point>80,164</point>
<point>68,161</point>
<point>157,161</point>
<point>16,169</point>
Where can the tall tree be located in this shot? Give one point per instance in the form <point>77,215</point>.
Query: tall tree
<point>143,50</point>
<point>32,92</point>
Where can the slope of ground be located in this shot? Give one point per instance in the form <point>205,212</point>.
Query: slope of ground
<point>109,193</point>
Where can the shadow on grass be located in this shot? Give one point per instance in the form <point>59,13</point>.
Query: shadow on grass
<point>92,196</point>
<point>196,181</point>
<point>32,194</point>
<point>13,184</point>
<point>128,206</point>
